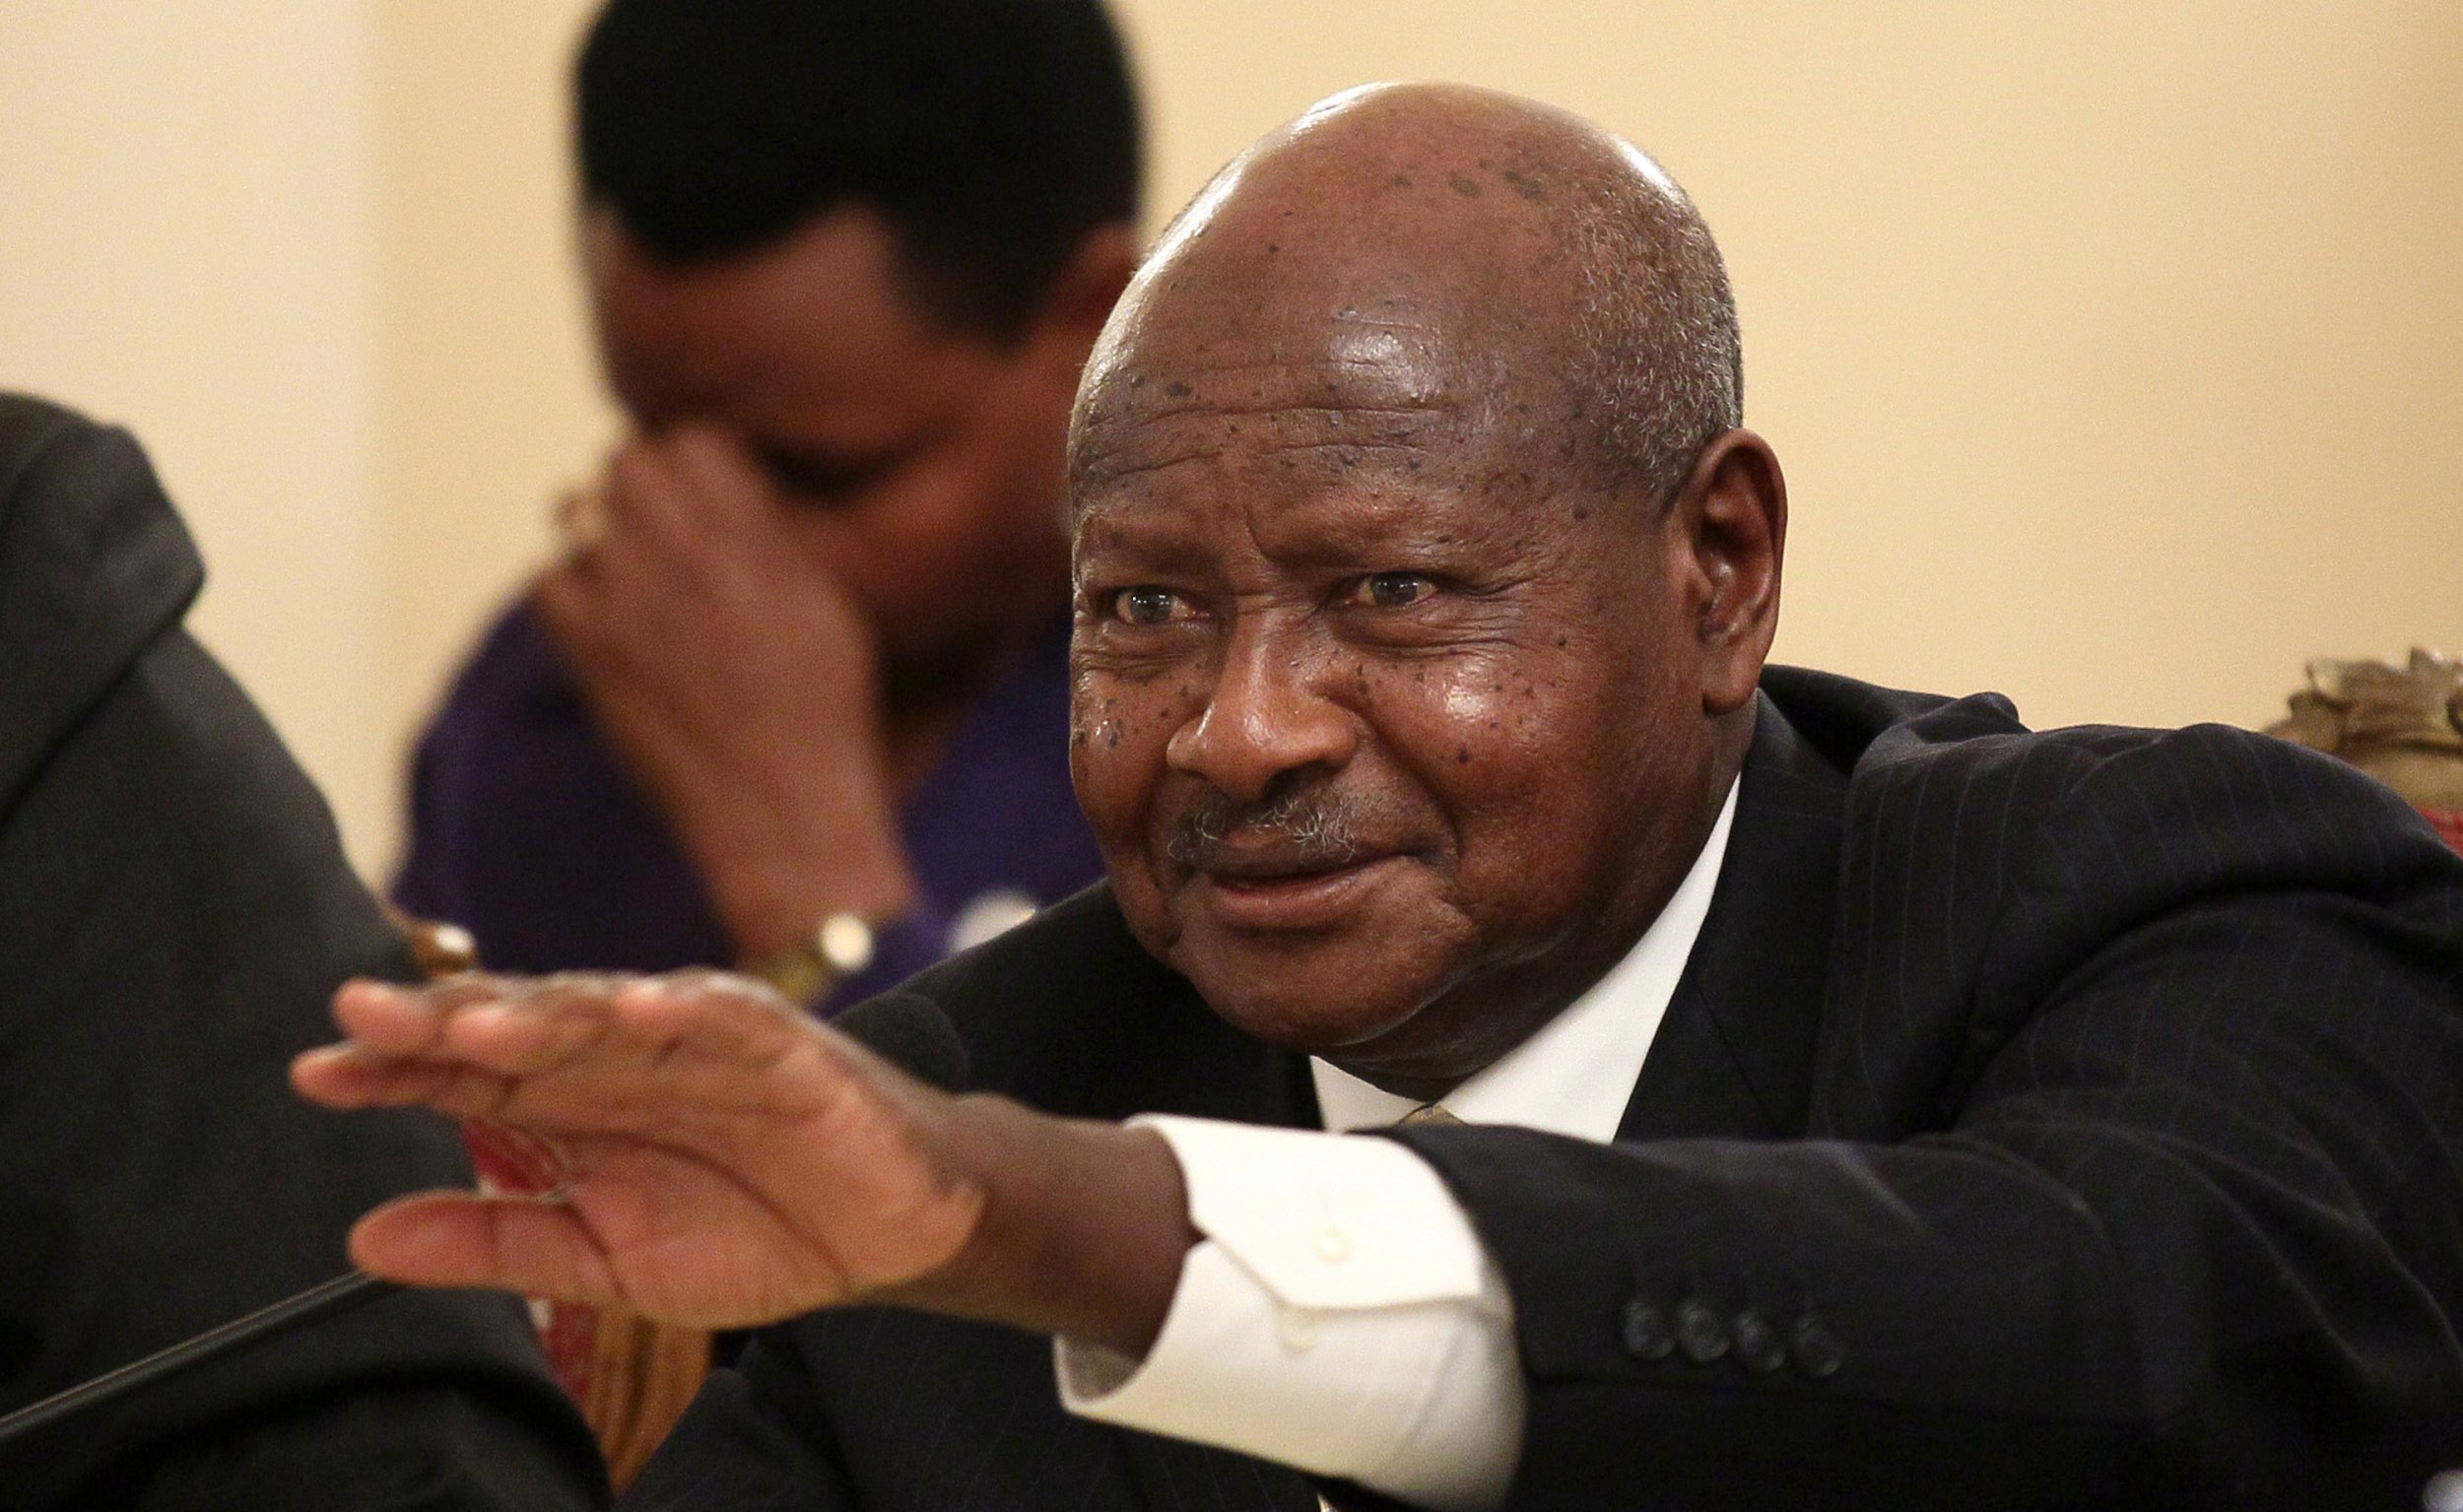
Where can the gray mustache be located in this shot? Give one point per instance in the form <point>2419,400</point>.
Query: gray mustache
<point>1303,819</point>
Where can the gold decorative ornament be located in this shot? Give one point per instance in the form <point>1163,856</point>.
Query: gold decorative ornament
<point>806,971</point>
<point>2402,725</point>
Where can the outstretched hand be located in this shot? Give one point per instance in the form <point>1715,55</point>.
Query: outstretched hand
<point>729,1162</point>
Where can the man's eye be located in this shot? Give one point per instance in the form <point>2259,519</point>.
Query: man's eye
<point>1393,590</point>
<point>1147,605</point>
<point>817,481</point>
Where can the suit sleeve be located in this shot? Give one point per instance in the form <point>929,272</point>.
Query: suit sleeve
<point>755,1439</point>
<point>177,915</point>
<point>2146,1186</point>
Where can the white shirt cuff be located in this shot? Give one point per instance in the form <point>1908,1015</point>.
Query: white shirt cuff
<point>1341,1317</point>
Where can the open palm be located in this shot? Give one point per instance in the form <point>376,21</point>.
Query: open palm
<point>727,1160</point>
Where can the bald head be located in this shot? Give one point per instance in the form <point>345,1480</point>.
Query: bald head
<point>1423,578</point>
<point>1491,255</point>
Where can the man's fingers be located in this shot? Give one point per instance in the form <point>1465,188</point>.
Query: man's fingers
<point>566,598</point>
<point>575,1052</point>
<point>647,497</point>
<point>396,1020</point>
<point>533,1028</point>
<point>389,1015</point>
<point>339,1076</point>
<point>690,485</point>
<point>506,1024</point>
<point>349,1076</point>
<point>535,1247</point>
<point>726,1158</point>
<point>581,519</point>
<point>713,1016</point>
<point>711,465</point>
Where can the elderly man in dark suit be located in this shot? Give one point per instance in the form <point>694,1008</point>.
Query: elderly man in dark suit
<point>1808,1094</point>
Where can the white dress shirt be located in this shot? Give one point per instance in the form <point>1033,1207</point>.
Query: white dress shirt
<point>1340,1314</point>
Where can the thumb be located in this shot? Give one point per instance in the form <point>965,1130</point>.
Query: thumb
<point>523,1244</point>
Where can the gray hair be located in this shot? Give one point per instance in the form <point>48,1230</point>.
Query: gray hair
<point>1656,369</point>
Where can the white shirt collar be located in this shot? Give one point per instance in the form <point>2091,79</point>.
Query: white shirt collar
<point>1577,1073</point>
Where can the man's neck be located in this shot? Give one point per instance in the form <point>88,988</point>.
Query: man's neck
<point>1575,1073</point>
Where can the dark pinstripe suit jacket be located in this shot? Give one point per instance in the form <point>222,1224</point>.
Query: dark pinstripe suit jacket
<point>2067,1119</point>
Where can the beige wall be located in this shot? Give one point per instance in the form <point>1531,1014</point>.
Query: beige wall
<point>186,246</point>
<point>489,395</point>
<point>2115,351</point>
<point>2113,348</point>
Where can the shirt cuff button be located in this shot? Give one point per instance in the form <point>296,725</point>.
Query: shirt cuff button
<point>1296,1327</point>
<point>1699,1332</point>
<point>1647,1335</point>
<point>1759,1347</point>
<point>1818,1349</point>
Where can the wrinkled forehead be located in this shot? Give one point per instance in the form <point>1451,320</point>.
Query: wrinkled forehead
<point>1361,381</point>
<point>1291,341</point>
<point>1394,272</point>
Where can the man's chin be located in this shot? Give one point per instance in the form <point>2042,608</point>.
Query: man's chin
<point>1318,992</point>
<point>1320,1021</point>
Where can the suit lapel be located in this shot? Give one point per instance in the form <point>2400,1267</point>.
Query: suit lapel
<point>1734,1054</point>
<point>1212,1070</point>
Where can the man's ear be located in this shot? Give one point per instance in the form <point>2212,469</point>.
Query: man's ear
<point>1732,516</point>
<point>1082,293</point>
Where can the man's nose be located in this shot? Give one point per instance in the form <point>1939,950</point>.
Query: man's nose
<point>1269,712</point>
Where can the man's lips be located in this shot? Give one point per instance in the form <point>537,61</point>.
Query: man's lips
<point>1260,893</point>
<point>1270,862</point>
